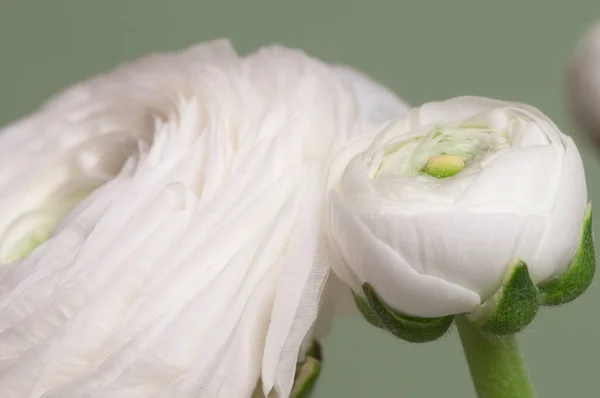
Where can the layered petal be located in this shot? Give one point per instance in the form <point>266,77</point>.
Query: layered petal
<point>197,262</point>
<point>470,249</point>
<point>395,280</point>
<point>85,134</point>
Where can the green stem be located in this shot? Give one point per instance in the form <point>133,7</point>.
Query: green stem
<point>496,365</point>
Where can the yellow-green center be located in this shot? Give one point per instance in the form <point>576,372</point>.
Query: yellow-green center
<point>444,166</point>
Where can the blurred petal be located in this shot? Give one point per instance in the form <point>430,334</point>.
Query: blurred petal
<point>377,103</point>
<point>584,83</point>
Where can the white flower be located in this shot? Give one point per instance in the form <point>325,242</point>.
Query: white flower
<point>182,198</point>
<point>584,83</point>
<point>511,185</point>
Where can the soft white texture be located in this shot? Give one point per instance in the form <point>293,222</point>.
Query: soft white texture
<point>198,263</point>
<point>434,247</point>
<point>583,82</point>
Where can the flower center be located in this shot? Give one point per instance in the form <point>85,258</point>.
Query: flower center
<point>443,166</point>
<point>442,152</point>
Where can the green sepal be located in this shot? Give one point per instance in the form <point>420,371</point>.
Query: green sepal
<point>513,306</point>
<point>307,372</point>
<point>405,327</point>
<point>571,284</point>
<point>366,311</point>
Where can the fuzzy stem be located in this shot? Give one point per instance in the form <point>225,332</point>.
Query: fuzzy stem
<point>495,363</point>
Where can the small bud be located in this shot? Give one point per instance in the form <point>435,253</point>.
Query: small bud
<point>444,166</point>
<point>513,306</point>
<point>307,373</point>
<point>570,285</point>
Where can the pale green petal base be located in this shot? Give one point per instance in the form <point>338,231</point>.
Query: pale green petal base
<point>45,228</point>
<point>578,278</point>
<point>26,246</point>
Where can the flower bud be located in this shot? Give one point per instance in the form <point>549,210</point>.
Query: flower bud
<point>307,373</point>
<point>467,206</point>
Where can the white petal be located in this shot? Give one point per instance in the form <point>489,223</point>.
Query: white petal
<point>90,129</point>
<point>298,293</point>
<point>377,103</point>
<point>564,220</point>
<point>337,301</point>
<point>68,300</point>
<point>459,108</point>
<point>469,249</point>
<point>525,176</point>
<point>397,283</point>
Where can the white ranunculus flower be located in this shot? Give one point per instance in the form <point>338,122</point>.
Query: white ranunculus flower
<point>584,83</point>
<point>179,201</point>
<point>431,209</point>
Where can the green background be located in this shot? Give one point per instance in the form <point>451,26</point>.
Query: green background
<point>424,50</point>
